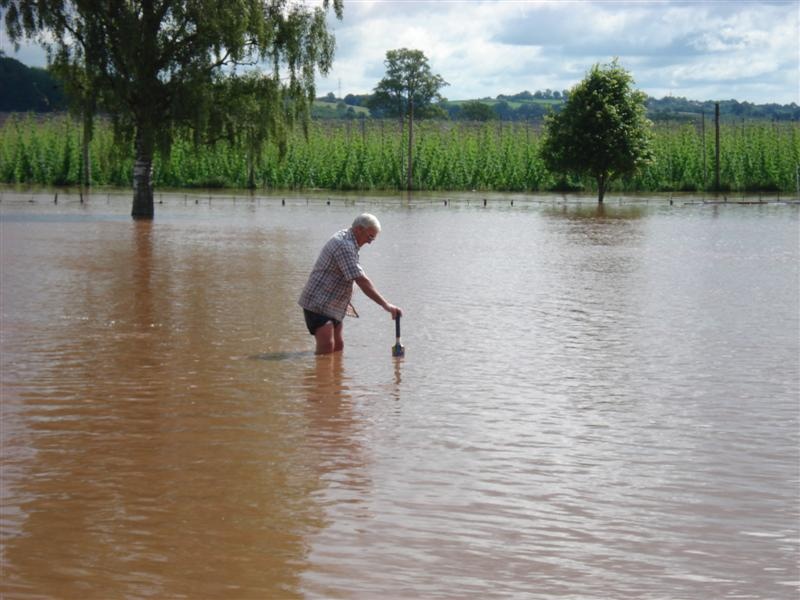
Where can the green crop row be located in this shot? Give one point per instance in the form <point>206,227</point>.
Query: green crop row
<point>353,155</point>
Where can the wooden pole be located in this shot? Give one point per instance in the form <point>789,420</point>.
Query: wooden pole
<point>410,137</point>
<point>86,167</point>
<point>716,151</point>
<point>703,138</point>
<point>797,179</point>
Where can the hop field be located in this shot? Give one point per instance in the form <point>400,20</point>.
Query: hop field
<point>370,155</point>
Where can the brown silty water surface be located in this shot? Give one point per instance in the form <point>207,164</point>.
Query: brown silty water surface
<point>593,403</point>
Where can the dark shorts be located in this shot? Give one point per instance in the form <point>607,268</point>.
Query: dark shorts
<point>314,321</point>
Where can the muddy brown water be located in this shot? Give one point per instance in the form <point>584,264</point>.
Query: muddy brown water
<point>593,403</point>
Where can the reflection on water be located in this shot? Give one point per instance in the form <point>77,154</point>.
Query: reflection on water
<point>594,402</point>
<point>333,431</point>
<point>595,213</point>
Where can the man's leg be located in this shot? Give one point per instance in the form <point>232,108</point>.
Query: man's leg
<point>338,337</point>
<point>325,338</point>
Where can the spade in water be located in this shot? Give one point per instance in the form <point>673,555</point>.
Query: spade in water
<point>398,349</point>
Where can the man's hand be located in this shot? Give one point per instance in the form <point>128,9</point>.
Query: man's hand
<point>395,310</point>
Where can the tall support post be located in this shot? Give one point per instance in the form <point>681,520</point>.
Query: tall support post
<point>410,140</point>
<point>703,143</point>
<point>716,151</point>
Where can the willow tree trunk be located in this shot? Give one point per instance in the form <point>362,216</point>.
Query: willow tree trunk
<point>602,183</point>
<point>251,172</point>
<point>143,174</point>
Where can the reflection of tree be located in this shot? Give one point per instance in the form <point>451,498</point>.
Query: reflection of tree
<point>154,465</point>
<point>88,422</point>
<point>595,211</point>
<point>601,224</point>
<point>597,268</point>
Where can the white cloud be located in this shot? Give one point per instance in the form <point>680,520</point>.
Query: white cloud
<point>712,49</point>
<point>701,50</point>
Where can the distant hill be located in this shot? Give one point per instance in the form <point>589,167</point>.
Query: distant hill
<point>527,106</point>
<point>675,108</point>
<point>24,89</point>
<point>330,107</point>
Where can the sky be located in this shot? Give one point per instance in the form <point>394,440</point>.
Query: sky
<point>701,49</point>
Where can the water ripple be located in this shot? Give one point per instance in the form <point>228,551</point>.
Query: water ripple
<point>591,406</point>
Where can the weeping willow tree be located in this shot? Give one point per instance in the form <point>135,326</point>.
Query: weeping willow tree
<point>157,66</point>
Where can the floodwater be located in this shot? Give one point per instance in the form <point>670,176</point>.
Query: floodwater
<point>593,403</point>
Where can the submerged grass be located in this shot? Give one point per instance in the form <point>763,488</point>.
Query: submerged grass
<point>370,155</point>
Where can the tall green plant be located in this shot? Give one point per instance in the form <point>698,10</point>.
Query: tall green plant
<point>351,156</point>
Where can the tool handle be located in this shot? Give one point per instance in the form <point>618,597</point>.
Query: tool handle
<point>397,326</point>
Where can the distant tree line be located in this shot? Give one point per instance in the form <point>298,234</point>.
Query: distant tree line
<point>527,106</point>
<point>677,108</point>
<point>538,95</point>
<point>24,89</point>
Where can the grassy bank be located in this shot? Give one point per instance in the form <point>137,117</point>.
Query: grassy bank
<point>352,155</point>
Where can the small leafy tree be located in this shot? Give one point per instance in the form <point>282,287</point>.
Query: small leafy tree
<point>601,131</point>
<point>408,85</point>
<point>475,110</point>
<point>157,66</point>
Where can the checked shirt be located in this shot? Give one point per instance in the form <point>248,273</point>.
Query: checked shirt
<point>330,285</point>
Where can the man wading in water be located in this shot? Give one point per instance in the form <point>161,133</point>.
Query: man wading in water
<point>326,297</point>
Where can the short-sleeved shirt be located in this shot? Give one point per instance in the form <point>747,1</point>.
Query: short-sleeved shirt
<point>330,285</point>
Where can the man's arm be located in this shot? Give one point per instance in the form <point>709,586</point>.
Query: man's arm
<point>369,289</point>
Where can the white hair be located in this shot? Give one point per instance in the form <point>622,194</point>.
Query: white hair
<point>367,221</point>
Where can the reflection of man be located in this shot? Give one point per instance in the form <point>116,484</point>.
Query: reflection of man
<point>330,286</point>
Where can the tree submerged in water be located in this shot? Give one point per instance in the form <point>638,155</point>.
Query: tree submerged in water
<point>158,66</point>
<point>602,130</point>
